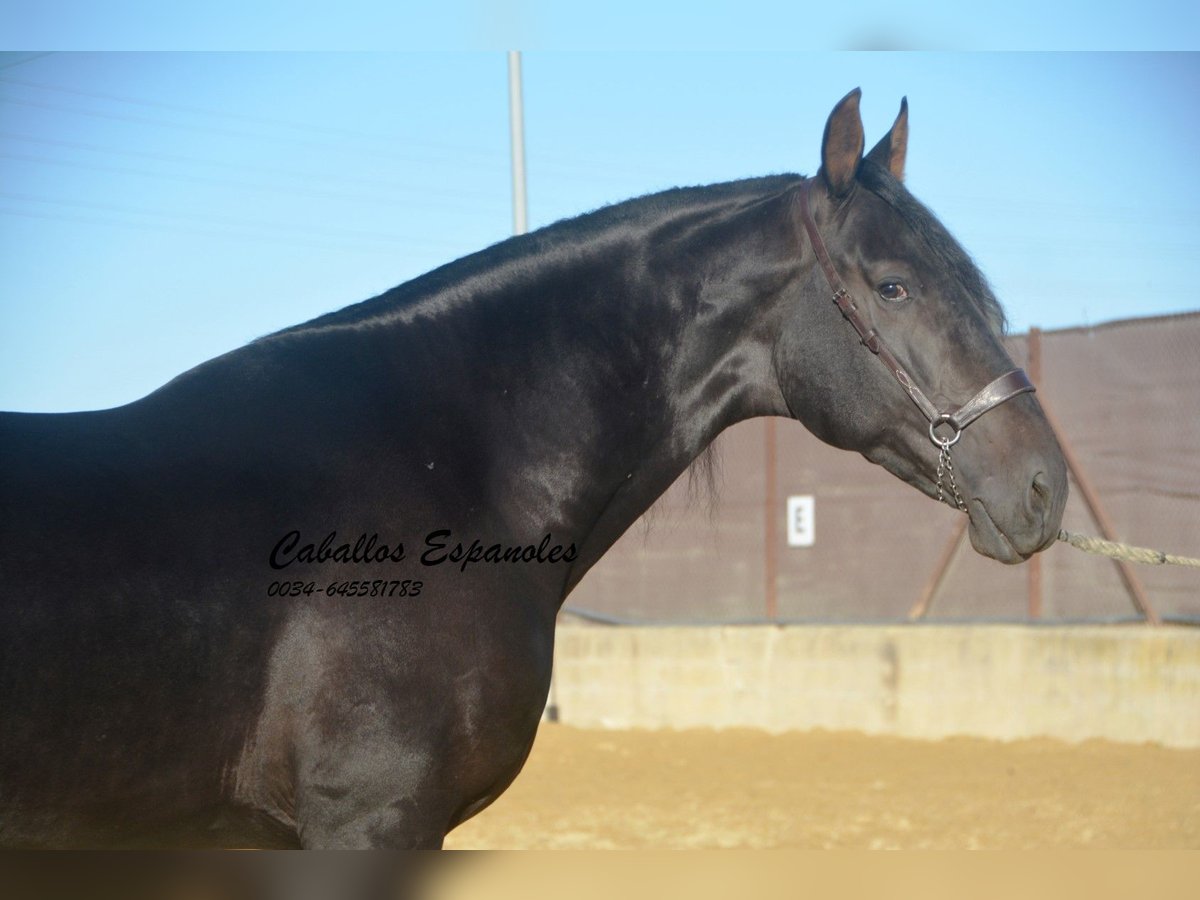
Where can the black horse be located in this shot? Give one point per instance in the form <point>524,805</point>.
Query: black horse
<point>305,593</point>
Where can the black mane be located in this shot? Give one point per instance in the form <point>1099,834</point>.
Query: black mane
<point>516,254</point>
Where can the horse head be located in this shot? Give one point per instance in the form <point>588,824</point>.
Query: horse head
<point>923,343</point>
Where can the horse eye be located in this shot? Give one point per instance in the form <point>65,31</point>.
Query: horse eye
<point>893,291</point>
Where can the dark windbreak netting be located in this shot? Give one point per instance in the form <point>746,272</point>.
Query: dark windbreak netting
<point>1127,397</point>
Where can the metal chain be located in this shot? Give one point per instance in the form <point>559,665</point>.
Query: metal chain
<point>946,470</point>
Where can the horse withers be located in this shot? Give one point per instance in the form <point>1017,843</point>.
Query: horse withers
<point>305,593</point>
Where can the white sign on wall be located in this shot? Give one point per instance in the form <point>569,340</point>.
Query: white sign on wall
<point>801,523</point>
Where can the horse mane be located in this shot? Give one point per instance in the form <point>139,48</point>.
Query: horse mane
<point>514,257</point>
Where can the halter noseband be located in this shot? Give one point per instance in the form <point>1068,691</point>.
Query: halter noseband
<point>1004,388</point>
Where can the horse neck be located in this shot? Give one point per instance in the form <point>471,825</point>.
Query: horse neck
<point>561,385</point>
<point>672,347</point>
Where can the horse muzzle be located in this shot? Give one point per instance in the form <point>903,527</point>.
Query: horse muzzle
<point>1014,516</point>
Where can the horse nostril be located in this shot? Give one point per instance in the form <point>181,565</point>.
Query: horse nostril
<point>1040,495</point>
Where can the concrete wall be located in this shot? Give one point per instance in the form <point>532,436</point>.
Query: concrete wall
<point>1130,684</point>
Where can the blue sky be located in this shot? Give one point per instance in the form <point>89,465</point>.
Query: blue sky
<point>652,25</point>
<point>157,209</point>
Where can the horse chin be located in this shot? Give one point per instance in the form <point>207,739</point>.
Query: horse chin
<point>989,539</point>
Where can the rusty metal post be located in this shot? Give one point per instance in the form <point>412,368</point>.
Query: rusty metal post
<point>1091,498</point>
<point>934,584</point>
<point>770,511</point>
<point>1034,576</point>
<point>1033,365</point>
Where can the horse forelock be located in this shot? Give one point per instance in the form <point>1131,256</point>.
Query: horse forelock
<point>940,242</point>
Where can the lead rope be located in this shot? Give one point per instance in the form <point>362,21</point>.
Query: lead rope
<point>1113,550</point>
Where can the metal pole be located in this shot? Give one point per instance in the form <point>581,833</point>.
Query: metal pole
<point>1034,576</point>
<point>1091,497</point>
<point>516,125</point>
<point>934,584</point>
<point>770,511</point>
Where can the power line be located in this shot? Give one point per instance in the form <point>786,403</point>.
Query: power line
<point>228,183</point>
<point>228,132</point>
<point>193,232</point>
<point>30,58</point>
<point>305,176</point>
<point>267,226</point>
<point>238,117</point>
<point>573,162</point>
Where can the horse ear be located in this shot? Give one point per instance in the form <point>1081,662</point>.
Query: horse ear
<point>842,145</point>
<point>892,148</point>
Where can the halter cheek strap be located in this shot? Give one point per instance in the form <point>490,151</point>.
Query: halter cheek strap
<point>998,391</point>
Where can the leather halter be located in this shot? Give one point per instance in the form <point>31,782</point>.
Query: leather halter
<point>1004,388</point>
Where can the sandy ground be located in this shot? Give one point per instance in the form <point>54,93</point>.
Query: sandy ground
<point>748,789</point>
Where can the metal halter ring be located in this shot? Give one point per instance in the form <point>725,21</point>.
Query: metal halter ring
<point>944,443</point>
